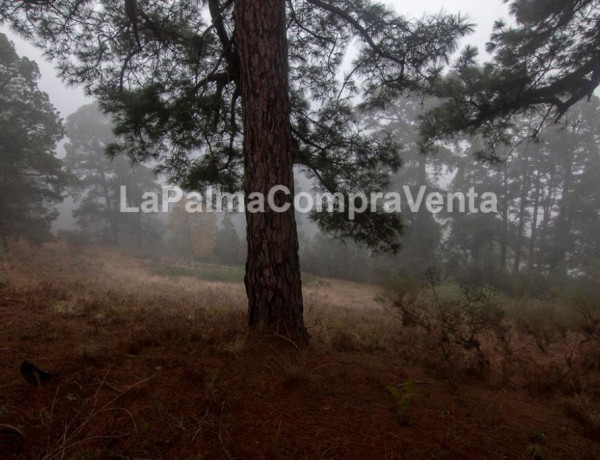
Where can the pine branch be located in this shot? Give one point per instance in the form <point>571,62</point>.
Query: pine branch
<point>360,29</point>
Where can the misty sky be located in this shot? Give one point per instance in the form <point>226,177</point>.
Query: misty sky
<point>481,13</point>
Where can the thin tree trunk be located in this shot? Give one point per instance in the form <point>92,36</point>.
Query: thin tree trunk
<point>504,231</point>
<point>190,240</point>
<point>543,238</point>
<point>563,221</point>
<point>534,224</point>
<point>114,232</point>
<point>273,283</point>
<point>521,225</point>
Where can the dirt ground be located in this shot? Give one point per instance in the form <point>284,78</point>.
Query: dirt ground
<point>147,367</point>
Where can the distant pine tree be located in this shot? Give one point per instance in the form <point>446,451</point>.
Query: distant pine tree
<point>32,178</point>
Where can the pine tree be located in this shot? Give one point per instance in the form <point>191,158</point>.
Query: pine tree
<point>542,66</point>
<point>239,98</point>
<point>97,190</point>
<point>32,178</point>
<point>422,231</point>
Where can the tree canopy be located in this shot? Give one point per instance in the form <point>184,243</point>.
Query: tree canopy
<point>32,178</point>
<point>97,191</point>
<point>543,63</point>
<point>170,76</point>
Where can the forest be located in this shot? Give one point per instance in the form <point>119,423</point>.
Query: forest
<point>444,303</point>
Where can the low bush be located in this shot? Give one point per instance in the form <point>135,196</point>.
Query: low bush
<point>453,324</point>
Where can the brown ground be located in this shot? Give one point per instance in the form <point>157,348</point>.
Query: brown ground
<point>151,367</point>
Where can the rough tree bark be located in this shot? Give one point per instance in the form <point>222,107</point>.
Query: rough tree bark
<point>272,280</point>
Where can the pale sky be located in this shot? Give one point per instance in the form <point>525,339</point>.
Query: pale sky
<point>481,13</point>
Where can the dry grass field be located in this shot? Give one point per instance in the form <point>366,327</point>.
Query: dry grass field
<point>152,360</point>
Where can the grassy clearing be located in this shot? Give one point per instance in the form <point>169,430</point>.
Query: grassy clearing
<point>206,272</point>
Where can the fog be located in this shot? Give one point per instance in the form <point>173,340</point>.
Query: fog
<point>67,99</point>
<point>300,229</point>
<point>428,240</point>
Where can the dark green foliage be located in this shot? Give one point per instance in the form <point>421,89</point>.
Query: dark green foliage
<point>32,179</point>
<point>544,64</point>
<point>171,80</point>
<point>376,230</point>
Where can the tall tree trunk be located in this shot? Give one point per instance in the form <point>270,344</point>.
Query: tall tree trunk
<point>523,205</point>
<point>112,221</point>
<point>534,224</point>
<point>547,209</point>
<point>504,228</point>
<point>273,283</point>
<point>562,227</point>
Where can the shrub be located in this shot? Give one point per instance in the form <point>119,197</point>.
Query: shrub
<point>403,296</point>
<point>546,323</point>
<point>587,309</point>
<point>452,323</point>
<point>403,401</point>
